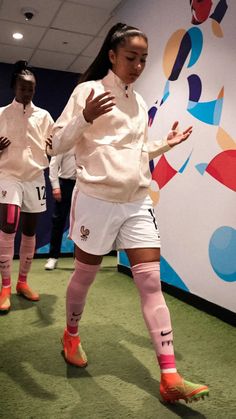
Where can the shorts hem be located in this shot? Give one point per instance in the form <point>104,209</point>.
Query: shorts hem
<point>91,251</point>
<point>98,252</point>
<point>141,246</point>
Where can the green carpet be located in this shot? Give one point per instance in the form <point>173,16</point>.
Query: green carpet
<point>122,379</point>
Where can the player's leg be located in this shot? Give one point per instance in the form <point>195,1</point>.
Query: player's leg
<point>26,254</point>
<point>140,237</point>
<point>34,202</point>
<point>93,237</point>
<point>86,267</point>
<point>9,219</point>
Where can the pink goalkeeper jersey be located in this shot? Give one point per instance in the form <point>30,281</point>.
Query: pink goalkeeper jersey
<point>27,129</point>
<point>112,153</point>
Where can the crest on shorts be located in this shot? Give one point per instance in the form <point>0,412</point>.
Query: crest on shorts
<point>4,194</point>
<point>84,233</point>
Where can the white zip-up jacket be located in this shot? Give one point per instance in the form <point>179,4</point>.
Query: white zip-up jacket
<point>27,129</point>
<point>112,153</point>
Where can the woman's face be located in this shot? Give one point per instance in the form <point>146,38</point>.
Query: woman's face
<point>129,60</point>
<point>25,89</point>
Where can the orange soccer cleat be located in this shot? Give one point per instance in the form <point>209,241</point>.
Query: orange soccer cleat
<point>22,288</point>
<point>73,351</point>
<point>173,388</point>
<point>5,303</point>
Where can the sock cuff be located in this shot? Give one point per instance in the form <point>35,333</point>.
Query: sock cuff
<point>7,237</point>
<point>146,267</point>
<point>28,239</point>
<point>166,362</point>
<point>85,267</point>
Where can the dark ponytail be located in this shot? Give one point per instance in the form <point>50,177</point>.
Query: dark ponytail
<point>115,37</point>
<point>20,69</point>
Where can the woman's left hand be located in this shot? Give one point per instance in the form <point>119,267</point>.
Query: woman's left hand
<point>48,142</point>
<point>175,137</point>
<point>4,143</point>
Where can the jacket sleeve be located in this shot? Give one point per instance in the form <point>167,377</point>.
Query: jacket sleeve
<point>50,125</point>
<point>71,124</point>
<point>54,166</point>
<point>153,148</point>
<point>156,148</point>
<point>46,126</point>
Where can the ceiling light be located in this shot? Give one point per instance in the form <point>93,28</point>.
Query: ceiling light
<point>17,35</point>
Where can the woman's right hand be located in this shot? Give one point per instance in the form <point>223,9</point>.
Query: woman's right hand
<point>57,194</point>
<point>95,107</point>
<point>4,143</point>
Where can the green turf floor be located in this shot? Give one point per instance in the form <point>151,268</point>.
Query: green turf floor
<point>122,379</point>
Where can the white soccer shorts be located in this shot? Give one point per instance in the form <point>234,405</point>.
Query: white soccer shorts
<point>29,196</point>
<point>98,226</point>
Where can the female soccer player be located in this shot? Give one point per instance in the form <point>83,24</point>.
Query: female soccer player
<point>106,121</point>
<point>24,129</point>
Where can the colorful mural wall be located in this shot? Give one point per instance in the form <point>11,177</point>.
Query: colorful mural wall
<point>190,77</point>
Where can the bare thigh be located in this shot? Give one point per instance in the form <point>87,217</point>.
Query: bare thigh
<point>144,255</point>
<point>29,223</point>
<point>87,258</point>
<point>135,256</point>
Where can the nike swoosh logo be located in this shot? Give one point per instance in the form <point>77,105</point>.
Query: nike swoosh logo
<point>165,333</point>
<point>75,314</point>
<point>43,204</point>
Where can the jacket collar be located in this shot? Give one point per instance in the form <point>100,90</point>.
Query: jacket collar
<point>20,106</point>
<point>112,80</point>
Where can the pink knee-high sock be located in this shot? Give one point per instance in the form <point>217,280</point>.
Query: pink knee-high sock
<point>6,257</point>
<point>81,279</point>
<point>155,312</point>
<point>27,249</point>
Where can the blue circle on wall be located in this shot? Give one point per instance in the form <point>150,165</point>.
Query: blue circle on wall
<point>222,253</point>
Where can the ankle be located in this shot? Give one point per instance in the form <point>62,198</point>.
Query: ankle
<point>170,376</point>
<point>6,282</point>
<point>22,278</point>
<point>71,333</point>
<point>72,330</point>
